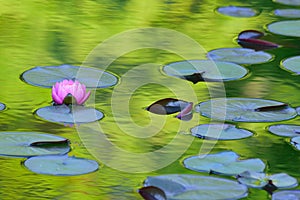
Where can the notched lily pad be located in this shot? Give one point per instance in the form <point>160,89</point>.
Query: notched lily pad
<point>289,13</point>
<point>226,163</point>
<point>69,114</point>
<point>237,11</point>
<point>288,2</point>
<point>286,28</point>
<point>220,132</point>
<point>246,110</point>
<point>152,193</point>
<point>49,75</point>
<point>25,144</point>
<point>205,70</point>
<point>286,130</point>
<point>260,180</point>
<point>240,55</point>
<point>292,64</point>
<point>2,106</point>
<point>184,186</point>
<point>286,195</point>
<point>60,165</point>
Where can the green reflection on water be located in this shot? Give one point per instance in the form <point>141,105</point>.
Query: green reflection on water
<point>40,33</point>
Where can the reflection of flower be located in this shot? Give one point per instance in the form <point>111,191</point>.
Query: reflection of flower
<point>63,92</point>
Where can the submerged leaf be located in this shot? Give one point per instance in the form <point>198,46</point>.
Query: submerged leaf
<point>152,193</point>
<point>167,106</point>
<point>257,44</point>
<point>236,11</point>
<point>184,186</point>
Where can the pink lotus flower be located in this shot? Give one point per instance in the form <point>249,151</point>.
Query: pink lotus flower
<point>67,90</point>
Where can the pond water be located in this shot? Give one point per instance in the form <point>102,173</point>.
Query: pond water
<point>52,33</point>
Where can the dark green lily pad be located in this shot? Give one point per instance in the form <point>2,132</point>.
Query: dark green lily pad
<point>246,110</point>
<point>2,106</point>
<point>22,144</point>
<point>295,141</point>
<point>288,2</point>
<point>237,11</point>
<point>49,75</point>
<point>259,180</point>
<point>289,13</point>
<point>240,55</point>
<point>286,195</point>
<point>226,163</point>
<point>286,130</point>
<point>292,64</point>
<point>207,70</point>
<point>220,132</point>
<point>69,114</point>
<point>286,28</point>
<point>184,186</point>
<point>60,165</point>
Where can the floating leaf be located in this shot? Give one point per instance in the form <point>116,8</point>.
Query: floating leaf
<point>240,55</point>
<point>49,75</point>
<point>226,163</point>
<point>2,106</point>
<point>199,70</point>
<point>152,193</point>
<point>60,165</point>
<point>236,11</point>
<point>286,195</point>
<point>285,130</point>
<point>220,132</point>
<point>290,13</point>
<point>295,141</point>
<point>167,106</point>
<point>257,44</point>
<point>184,186</point>
<point>244,110</point>
<point>69,114</point>
<point>247,34</point>
<point>23,144</point>
<point>288,2</point>
<point>292,64</point>
<point>286,28</point>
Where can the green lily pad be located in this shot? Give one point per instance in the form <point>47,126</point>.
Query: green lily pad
<point>2,106</point>
<point>246,110</point>
<point>207,70</point>
<point>220,132</point>
<point>240,55</point>
<point>60,165</point>
<point>69,114</point>
<point>237,11</point>
<point>184,186</point>
<point>289,13</point>
<point>49,75</point>
<point>259,180</point>
<point>286,195</point>
<point>292,64</point>
<point>288,2</point>
<point>23,144</point>
<point>286,28</point>
<point>226,163</point>
<point>295,141</point>
<point>286,130</point>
